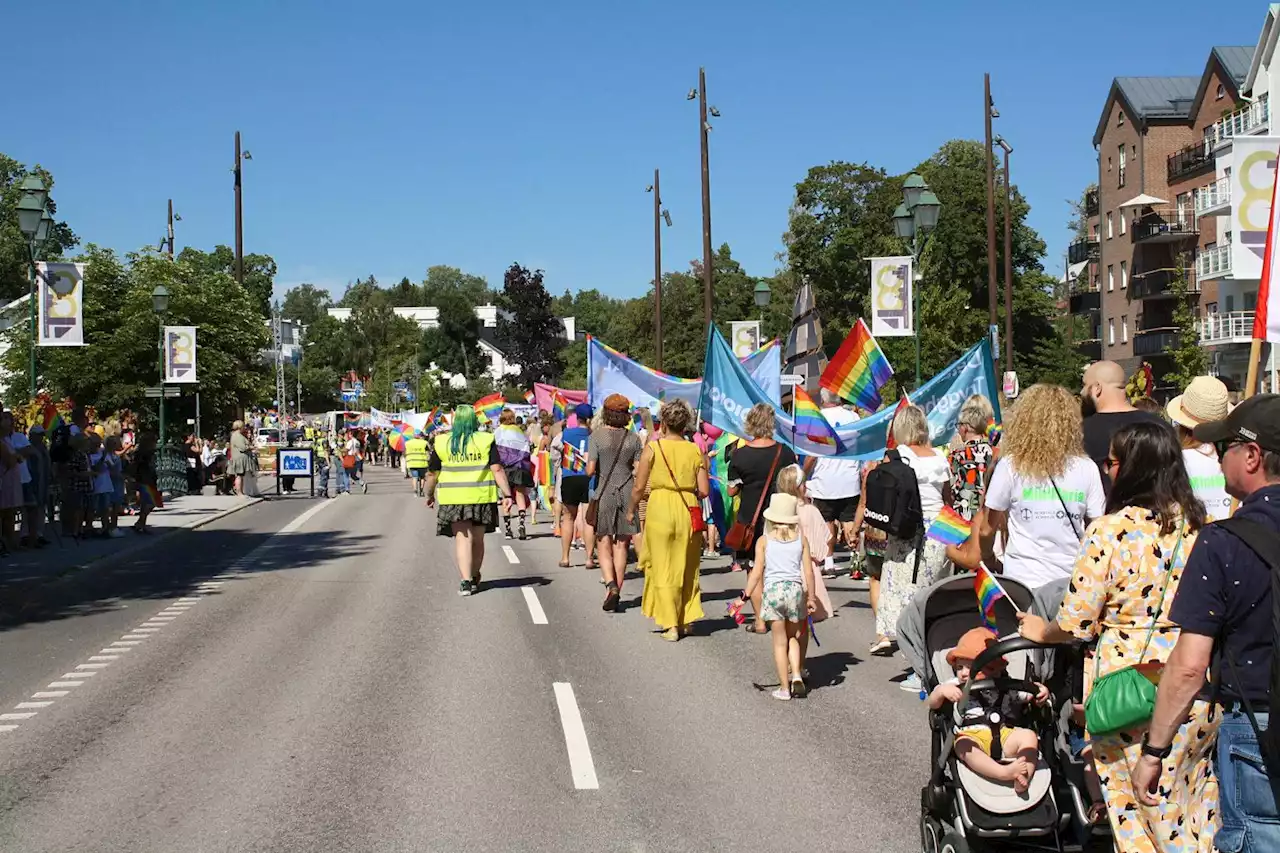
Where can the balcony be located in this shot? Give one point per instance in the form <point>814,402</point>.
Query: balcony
<point>1214,262</point>
<point>1164,225</point>
<point>1189,161</point>
<point>1090,349</point>
<point>1084,298</point>
<point>1214,199</point>
<point>1249,119</point>
<point>1155,342</point>
<point>1156,283</point>
<point>1083,250</point>
<point>1091,202</point>
<point>1235,327</point>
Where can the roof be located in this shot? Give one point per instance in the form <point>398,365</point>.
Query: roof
<point>1236,61</point>
<point>1266,47</point>
<point>1150,99</point>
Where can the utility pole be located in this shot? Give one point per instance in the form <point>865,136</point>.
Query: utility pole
<point>988,108</point>
<point>657,269</point>
<point>707,268</point>
<point>1008,258</point>
<point>170,228</point>
<point>277,333</point>
<point>240,219</point>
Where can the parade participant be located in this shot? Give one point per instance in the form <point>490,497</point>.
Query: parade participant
<point>241,451</point>
<point>143,469</point>
<point>835,485</point>
<point>513,450</point>
<point>416,456</point>
<point>575,485</point>
<point>784,570</point>
<point>465,467</point>
<point>611,459</point>
<point>1105,407</point>
<point>1205,400</point>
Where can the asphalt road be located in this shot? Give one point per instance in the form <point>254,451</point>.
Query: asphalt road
<point>302,676</point>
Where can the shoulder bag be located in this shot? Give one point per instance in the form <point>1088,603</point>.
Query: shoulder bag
<point>1125,698</point>
<point>1071,519</point>
<point>742,535</point>
<point>593,506</point>
<point>697,523</point>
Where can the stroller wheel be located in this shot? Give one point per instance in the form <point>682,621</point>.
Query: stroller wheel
<point>930,832</point>
<point>952,842</point>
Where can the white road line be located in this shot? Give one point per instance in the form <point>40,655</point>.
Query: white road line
<point>192,600</point>
<point>306,516</point>
<point>161,619</point>
<point>77,674</point>
<point>535,606</point>
<point>25,715</point>
<point>93,666</point>
<point>69,683</point>
<point>511,555</point>
<point>50,694</point>
<point>581,766</point>
<point>25,705</point>
<point>156,623</point>
<point>127,643</point>
<point>146,631</point>
<point>103,657</point>
<point>7,728</point>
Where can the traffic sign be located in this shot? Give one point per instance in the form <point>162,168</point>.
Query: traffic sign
<point>162,391</point>
<point>791,379</point>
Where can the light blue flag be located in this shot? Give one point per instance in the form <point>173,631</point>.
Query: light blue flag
<point>611,372</point>
<point>728,393</point>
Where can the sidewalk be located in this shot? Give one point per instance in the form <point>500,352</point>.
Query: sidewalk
<point>31,567</point>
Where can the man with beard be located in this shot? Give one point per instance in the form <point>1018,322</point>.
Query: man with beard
<point>1106,408</point>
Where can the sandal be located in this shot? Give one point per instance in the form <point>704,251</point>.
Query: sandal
<point>752,628</point>
<point>611,599</point>
<point>564,564</point>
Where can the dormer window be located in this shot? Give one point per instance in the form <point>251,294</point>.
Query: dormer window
<point>1222,92</point>
<point>1119,118</point>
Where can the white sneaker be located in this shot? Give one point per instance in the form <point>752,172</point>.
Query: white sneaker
<point>911,683</point>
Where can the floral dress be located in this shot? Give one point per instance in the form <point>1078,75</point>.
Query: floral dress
<point>969,465</point>
<point>1114,594</point>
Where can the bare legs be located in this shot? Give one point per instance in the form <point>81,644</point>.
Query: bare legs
<point>786,653</point>
<point>468,548</point>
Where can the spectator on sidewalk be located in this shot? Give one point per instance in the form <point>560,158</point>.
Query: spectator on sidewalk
<point>115,465</point>
<point>1224,606</point>
<point>100,506</point>
<point>21,447</point>
<point>240,449</point>
<point>41,480</point>
<point>144,477</point>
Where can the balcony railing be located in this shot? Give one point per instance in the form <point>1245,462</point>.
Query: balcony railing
<point>1214,196</point>
<point>1251,118</point>
<point>1155,342</point>
<point>1164,224</point>
<point>1233,327</point>
<point>1157,283</point>
<point>1215,262</point>
<point>1190,160</point>
<point>1083,250</point>
<point>1091,202</point>
<point>1090,349</point>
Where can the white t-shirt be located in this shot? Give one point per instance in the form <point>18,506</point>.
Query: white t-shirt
<point>353,446</point>
<point>1207,481</point>
<point>932,473</point>
<point>1043,541</point>
<point>101,479</point>
<point>835,478</point>
<point>18,442</point>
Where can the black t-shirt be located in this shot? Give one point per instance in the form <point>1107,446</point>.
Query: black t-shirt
<point>751,466</point>
<point>1225,593</point>
<point>1098,429</point>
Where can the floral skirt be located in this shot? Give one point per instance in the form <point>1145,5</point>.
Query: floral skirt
<point>897,586</point>
<point>483,515</point>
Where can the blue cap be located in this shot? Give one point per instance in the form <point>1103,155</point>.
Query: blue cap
<point>583,411</point>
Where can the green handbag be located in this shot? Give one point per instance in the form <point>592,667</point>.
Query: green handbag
<point>1122,699</point>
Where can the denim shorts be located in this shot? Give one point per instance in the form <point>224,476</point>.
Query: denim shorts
<point>1247,796</point>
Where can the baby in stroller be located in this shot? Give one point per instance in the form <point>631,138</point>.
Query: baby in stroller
<point>988,713</point>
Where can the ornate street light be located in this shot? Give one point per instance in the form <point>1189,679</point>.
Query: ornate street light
<point>913,220</point>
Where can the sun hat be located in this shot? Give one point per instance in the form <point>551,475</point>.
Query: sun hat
<point>782,509</point>
<point>1256,420</point>
<point>972,644</point>
<point>616,403</point>
<point>583,411</point>
<point>1206,399</point>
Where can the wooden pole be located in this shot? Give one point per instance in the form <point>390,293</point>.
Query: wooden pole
<point>1255,358</point>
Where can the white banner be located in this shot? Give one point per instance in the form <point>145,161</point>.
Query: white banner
<point>744,337</point>
<point>60,297</point>
<point>891,285</point>
<point>1253,170</point>
<point>180,354</point>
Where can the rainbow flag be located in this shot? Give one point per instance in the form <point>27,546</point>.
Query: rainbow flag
<point>543,464</point>
<point>491,407</point>
<point>949,528</point>
<point>810,420</point>
<point>994,432</point>
<point>573,460</point>
<point>989,591</point>
<point>890,444</point>
<point>559,406</point>
<point>51,419</point>
<point>528,397</point>
<point>858,370</point>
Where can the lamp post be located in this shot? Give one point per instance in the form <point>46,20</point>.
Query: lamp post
<point>1008,256</point>
<point>160,304</point>
<point>704,127</point>
<point>35,223</point>
<point>990,112</point>
<point>762,294</point>
<point>913,220</point>
<point>658,216</point>
<point>167,242</point>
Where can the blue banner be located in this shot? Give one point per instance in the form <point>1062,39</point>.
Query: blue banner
<point>611,372</point>
<point>728,393</point>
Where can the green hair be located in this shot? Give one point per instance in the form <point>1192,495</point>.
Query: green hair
<point>464,426</point>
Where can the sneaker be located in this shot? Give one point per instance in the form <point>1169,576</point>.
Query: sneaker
<point>364,487</point>
<point>475,583</point>
<point>857,575</point>
<point>781,693</point>
<point>911,683</point>
<point>506,530</point>
<point>464,588</point>
<point>520,531</point>
<point>881,645</point>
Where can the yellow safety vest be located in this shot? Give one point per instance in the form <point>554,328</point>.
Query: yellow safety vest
<point>415,453</point>
<point>466,478</point>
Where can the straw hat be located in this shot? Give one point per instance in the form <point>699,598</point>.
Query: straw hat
<point>971,644</point>
<point>782,509</point>
<point>1205,400</point>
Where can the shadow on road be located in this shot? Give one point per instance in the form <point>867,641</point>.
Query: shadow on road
<point>507,583</point>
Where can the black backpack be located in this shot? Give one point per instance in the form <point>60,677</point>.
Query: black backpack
<point>893,498</point>
<point>60,444</point>
<point>1265,543</point>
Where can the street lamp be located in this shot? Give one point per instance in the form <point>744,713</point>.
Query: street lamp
<point>1008,257</point>
<point>762,294</point>
<point>160,304</point>
<point>704,127</point>
<point>912,221</point>
<point>659,215</point>
<point>35,223</point>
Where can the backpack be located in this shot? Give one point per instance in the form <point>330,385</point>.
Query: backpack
<point>1265,543</point>
<point>893,498</point>
<point>60,444</point>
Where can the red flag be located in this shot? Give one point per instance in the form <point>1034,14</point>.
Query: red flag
<point>890,444</point>
<point>1266,315</point>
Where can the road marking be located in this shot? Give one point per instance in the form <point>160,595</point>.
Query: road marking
<point>7,728</point>
<point>93,666</point>
<point>127,643</point>
<point>23,705</point>
<point>132,637</point>
<point>511,555</point>
<point>305,517</point>
<point>155,623</point>
<point>25,715</point>
<point>535,606</point>
<point>581,767</point>
<point>189,599</point>
<point>77,674</point>
<point>146,631</point>
<point>70,683</point>
<point>50,694</point>
<point>102,657</point>
<point>160,620</point>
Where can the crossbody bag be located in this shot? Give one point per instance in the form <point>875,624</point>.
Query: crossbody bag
<point>742,536</point>
<point>697,522</point>
<point>593,506</point>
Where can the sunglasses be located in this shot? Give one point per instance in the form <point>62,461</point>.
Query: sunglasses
<point>1226,444</point>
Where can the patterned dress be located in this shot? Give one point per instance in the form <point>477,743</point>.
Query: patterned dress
<point>969,465</point>
<point>1113,597</point>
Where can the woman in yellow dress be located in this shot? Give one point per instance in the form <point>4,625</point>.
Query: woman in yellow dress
<point>675,472</point>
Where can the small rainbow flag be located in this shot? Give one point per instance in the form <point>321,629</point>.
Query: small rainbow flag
<point>559,406</point>
<point>994,432</point>
<point>157,500</point>
<point>528,397</point>
<point>989,591</point>
<point>543,464</point>
<point>51,419</point>
<point>810,420</point>
<point>858,370</point>
<point>949,528</point>
<point>573,460</point>
<point>491,407</point>
<point>890,444</point>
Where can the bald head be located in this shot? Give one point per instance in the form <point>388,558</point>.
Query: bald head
<point>1104,386</point>
<point>1104,372</point>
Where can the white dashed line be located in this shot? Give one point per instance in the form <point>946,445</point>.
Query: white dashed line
<point>104,657</point>
<point>56,684</point>
<point>581,767</point>
<point>25,715</point>
<point>7,728</point>
<point>134,637</point>
<point>535,606</point>
<point>50,694</point>
<point>511,555</point>
<point>22,706</point>
<point>93,666</point>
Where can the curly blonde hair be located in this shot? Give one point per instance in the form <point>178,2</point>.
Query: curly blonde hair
<point>1043,432</point>
<point>676,416</point>
<point>761,421</point>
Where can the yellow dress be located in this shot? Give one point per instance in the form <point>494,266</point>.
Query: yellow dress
<point>671,550</point>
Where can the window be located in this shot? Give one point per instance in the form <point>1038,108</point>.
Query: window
<point>1122,221</point>
<point>1251,300</point>
<point>1124,274</point>
<point>1211,308</point>
<point>1110,224</point>
<point>1222,92</point>
<point>1119,118</point>
<point>1124,328</point>
<point>1111,332</point>
<point>1122,158</point>
<point>1186,209</point>
<point>1108,164</point>
<point>1231,302</point>
<point>1111,277</point>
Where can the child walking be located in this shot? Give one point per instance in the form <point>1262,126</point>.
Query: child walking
<point>784,567</point>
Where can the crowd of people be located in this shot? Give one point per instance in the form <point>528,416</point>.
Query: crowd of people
<point>1115,514</point>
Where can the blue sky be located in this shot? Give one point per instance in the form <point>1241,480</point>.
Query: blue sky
<point>388,137</point>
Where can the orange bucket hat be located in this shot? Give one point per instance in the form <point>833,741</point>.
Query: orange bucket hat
<point>972,643</point>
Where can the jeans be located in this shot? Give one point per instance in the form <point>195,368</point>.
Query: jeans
<point>344,479</point>
<point>1248,796</point>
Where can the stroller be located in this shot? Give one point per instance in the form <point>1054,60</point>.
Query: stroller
<point>961,811</point>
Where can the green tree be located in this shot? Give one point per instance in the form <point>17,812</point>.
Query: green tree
<point>529,332</point>
<point>363,291</point>
<point>443,280</point>
<point>259,272</point>
<point>1189,358</point>
<point>454,344</point>
<point>306,303</point>
<point>405,294</point>
<point>15,280</point>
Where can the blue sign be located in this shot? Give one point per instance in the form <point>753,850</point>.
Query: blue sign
<point>728,393</point>
<point>294,462</point>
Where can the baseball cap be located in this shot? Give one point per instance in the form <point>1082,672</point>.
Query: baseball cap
<point>1256,420</point>
<point>583,411</point>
